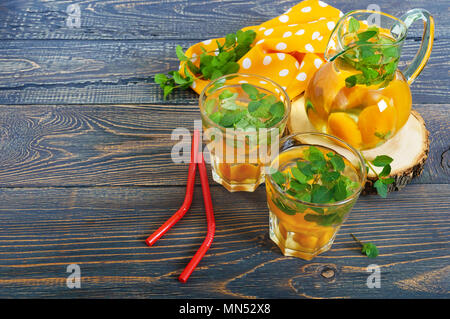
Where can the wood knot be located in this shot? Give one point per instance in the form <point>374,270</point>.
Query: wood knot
<point>327,273</point>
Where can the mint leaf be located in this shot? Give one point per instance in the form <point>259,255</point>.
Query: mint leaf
<point>279,178</point>
<point>261,110</point>
<point>306,169</point>
<point>328,177</point>
<point>390,67</point>
<point>192,67</point>
<point>180,53</point>
<point>216,74</point>
<point>250,90</point>
<point>161,78</point>
<point>230,67</point>
<point>179,79</point>
<point>167,90</point>
<point>210,105</point>
<point>274,120</point>
<point>298,175</point>
<point>340,191</point>
<point>230,117</point>
<point>381,188</point>
<point>338,163</point>
<point>277,109</point>
<point>370,73</point>
<point>230,39</point>
<point>324,220</point>
<point>320,194</point>
<point>366,35</point>
<point>390,52</point>
<point>288,210</point>
<point>253,106</point>
<point>225,94</point>
<point>243,123</point>
<point>353,25</point>
<point>299,186</point>
<point>370,250</point>
<point>216,117</point>
<point>382,160</point>
<point>386,171</point>
<point>304,196</point>
<point>387,181</point>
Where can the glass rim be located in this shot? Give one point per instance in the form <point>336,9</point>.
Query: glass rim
<point>337,203</point>
<point>210,122</point>
<point>345,48</point>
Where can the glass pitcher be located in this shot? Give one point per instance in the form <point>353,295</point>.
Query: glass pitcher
<point>359,95</point>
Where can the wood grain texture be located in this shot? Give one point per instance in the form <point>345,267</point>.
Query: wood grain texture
<point>103,230</point>
<point>124,20</point>
<point>86,175</point>
<point>105,145</point>
<point>107,72</point>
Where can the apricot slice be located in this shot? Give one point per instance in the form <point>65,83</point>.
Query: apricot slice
<point>349,98</point>
<point>307,242</point>
<point>325,237</point>
<point>344,126</point>
<point>241,172</point>
<point>225,171</point>
<point>400,94</point>
<point>323,87</point>
<point>377,123</point>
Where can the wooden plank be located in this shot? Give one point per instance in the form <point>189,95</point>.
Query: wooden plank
<point>114,72</point>
<point>104,145</point>
<point>102,230</point>
<point>124,20</point>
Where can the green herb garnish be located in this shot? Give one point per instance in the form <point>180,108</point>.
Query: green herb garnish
<point>382,182</point>
<point>262,111</point>
<point>371,53</point>
<point>317,179</point>
<point>211,66</point>
<point>319,176</point>
<point>368,249</point>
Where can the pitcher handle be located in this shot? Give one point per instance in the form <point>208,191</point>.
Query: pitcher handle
<point>420,60</point>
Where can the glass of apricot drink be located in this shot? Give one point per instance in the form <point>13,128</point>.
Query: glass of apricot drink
<point>311,187</point>
<point>243,118</point>
<point>360,95</point>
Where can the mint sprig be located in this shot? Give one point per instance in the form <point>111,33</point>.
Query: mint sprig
<point>368,249</point>
<point>213,64</point>
<point>318,175</point>
<point>383,179</point>
<point>371,53</point>
<point>317,179</point>
<point>262,111</point>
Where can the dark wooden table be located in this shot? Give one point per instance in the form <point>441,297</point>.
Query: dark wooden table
<point>86,172</point>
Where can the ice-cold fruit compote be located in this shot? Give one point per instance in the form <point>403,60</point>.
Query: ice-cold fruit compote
<point>243,117</point>
<point>309,196</point>
<point>360,96</point>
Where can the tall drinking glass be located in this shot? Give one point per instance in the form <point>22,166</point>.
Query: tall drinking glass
<point>313,184</point>
<point>243,117</point>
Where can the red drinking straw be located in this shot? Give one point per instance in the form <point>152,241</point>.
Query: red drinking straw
<point>210,220</point>
<point>196,157</point>
<point>188,197</point>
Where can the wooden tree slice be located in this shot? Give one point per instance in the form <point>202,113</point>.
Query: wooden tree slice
<point>409,147</point>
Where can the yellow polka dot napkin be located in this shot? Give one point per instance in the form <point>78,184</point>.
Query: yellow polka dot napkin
<point>287,49</point>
